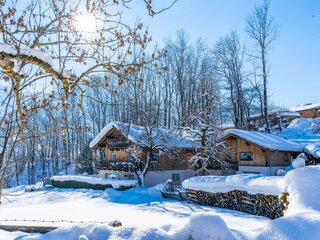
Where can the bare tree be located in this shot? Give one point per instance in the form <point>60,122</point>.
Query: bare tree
<point>153,141</point>
<point>229,56</point>
<point>51,50</point>
<point>212,153</point>
<point>261,28</point>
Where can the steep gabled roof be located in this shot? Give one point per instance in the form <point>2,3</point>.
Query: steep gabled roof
<point>305,107</point>
<point>170,138</point>
<point>265,140</point>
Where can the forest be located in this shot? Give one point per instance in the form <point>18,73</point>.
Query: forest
<point>49,115</point>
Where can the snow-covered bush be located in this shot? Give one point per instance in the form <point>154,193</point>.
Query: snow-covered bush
<point>281,172</point>
<point>300,161</point>
<point>209,226</point>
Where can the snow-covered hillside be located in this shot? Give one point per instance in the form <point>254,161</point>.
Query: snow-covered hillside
<point>305,131</point>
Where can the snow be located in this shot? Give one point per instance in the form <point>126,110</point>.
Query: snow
<point>5,48</point>
<point>215,229</point>
<point>265,140</point>
<point>209,226</point>
<point>313,149</point>
<point>280,113</point>
<point>252,183</point>
<point>288,114</point>
<point>305,131</point>
<point>95,180</point>
<point>298,163</point>
<point>298,226</point>
<point>144,214</point>
<point>307,106</point>
<point>136,134</point>
<point>303,186</point>
<point>302,219</point>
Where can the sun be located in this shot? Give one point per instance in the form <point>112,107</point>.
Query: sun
<point>86,23</point>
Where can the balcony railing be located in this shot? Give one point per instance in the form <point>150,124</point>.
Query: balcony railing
<point>115,166</point>
<point>118,144</point>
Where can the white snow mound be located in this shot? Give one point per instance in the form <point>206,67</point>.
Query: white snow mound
<point>251,183</point>
<point>304,191</point>
<point>209,226</point>
<point>298,163</point>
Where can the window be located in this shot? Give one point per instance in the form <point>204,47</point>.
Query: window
<point>113,156</point>
<point>131,177</point>
<point>246,156</point>
<point>155,157</point>
<point>176,177</point>
<point>176,159</point>
<point>286,158</point>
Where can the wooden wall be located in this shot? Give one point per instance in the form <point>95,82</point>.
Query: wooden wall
<point>166,161</point>
<point>311,113</point>
<point>261,157</point>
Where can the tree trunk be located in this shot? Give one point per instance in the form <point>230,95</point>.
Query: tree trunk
<point>265,93</point>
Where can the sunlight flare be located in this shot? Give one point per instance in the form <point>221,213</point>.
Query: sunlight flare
<point>86,23</point>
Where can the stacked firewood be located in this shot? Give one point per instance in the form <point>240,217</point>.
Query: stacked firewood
<point>257,204</point>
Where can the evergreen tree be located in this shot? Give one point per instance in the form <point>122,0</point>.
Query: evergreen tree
<point>85,161</point>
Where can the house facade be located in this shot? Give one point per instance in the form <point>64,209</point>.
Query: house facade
<point>121,141</point>
<point>260,153</point>
<point>308,110</point>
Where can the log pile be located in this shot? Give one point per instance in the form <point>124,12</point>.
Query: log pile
<point>269,206</point>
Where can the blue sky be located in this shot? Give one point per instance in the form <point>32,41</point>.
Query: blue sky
<point>295,57</point>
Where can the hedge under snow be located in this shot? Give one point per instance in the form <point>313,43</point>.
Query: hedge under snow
<point>115,183</point>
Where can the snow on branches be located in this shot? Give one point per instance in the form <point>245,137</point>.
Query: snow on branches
<point>65,45</point>
<point>212,152</point>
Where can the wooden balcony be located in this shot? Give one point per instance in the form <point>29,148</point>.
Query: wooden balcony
<point>116,144</point>
<point>115,166</point>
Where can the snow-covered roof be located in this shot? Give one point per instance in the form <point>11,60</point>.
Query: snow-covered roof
<point>305,107</point>
<point>265,140</point>
<point>313,149</point>
<point>280,113</point>
<point>137,134</point>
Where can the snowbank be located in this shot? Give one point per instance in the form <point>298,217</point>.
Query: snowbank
<point>302,219</point>
<point>303,130</point>
<point>137,195</point>
<point>208,226</point>
<point>201,226</point>
<point>251,183</point>
<point>94,180</point>
<point>299,162</point>
<point>304,191</point>
<point>297,226</point>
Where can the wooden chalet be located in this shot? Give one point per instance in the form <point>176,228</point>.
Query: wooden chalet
<point>279,119</point>
<point>308,110</point>
<point>257,152</point>
<point>121,140</point>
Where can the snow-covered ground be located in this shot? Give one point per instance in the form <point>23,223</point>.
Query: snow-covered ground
<point>305,131</point>
<point>144,214</point>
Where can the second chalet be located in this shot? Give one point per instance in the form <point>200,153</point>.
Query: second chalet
<point>257,152</point>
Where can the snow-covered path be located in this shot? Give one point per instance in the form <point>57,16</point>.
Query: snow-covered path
<point>134,208</point>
